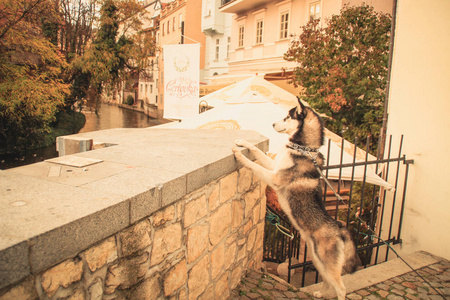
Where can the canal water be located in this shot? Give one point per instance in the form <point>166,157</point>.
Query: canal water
<point>109,116</point>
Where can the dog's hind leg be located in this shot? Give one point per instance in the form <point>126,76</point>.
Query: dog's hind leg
<point>330,268</point>
<point>321,268</point>
<point>331,273</point>
<point>323,291</point>
<point>263,159</point>
<point>331,277</point>
<point>335,280</point>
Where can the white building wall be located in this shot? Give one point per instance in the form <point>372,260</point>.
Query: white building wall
<point>216,26</point>
<point>419,109</point>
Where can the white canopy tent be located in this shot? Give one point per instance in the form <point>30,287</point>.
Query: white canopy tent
<point>254,111</point>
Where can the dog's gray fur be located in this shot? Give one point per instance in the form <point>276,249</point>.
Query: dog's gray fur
<point>296,182</point>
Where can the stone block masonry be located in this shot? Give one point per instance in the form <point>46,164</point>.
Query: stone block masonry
<point>197,246</point>
<point>183,251</point>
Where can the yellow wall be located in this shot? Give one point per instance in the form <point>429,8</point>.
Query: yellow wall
<point>420,109</point>
<point>193,32</point>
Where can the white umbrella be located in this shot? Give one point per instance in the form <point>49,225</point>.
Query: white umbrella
<point>257,84</point>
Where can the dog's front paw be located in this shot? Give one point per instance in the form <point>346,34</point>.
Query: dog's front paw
<point>317,294</point>
<point>242,143</point>
<point>237,154</point>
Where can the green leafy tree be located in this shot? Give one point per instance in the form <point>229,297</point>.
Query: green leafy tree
<point>31,88</point>
<point>119,49</point>
<point>342,68</point>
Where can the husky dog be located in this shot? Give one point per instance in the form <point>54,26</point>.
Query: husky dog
<point>296,181</point>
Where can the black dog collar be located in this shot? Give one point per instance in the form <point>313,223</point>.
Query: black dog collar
<point>301,148</point>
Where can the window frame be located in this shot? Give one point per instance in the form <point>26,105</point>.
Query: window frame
<point>316,15</point>
<point>241,35</point>
<point>217,51</point>
<point>284,24</point>
<point>259,31</point>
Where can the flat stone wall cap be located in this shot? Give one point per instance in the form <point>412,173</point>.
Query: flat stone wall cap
<point>32,206</point>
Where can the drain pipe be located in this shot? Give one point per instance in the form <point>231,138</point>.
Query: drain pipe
<point>382,141</point>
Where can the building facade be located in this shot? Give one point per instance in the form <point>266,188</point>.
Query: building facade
<point>262,30</point>
<point>418,111</point>
<point>148,80</point>
<point>216,26</point>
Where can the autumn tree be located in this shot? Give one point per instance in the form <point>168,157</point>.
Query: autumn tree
<point>342,69</point>
<point>77,25</point>
<point>50,59</point>
<point>120,48</point>
<point>31,88</point>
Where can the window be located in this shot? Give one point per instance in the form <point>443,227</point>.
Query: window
<point>228,46</point>
<point>314,11</point>
<point>151,88</point>
<point>168,27</point>
<point>173,24</point>
<point>180,20</point>
<point>145,88</point>
<point>284,25</point>
<point>217,48</point>
<point>164,29</point>
<point>259,31</point>
<point>241,36</point>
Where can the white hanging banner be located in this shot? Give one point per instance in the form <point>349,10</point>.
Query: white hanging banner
<point>181,80</point>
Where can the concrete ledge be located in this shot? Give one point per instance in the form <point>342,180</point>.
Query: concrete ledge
<point>50,212</point>
<point>73,145</point>
<point>381,272</point>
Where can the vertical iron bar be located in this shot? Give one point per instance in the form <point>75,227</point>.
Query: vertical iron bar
<point>283,246</point>
<point>384,198</point>
<point>362,194</point>
<point>339,180</point>
<point>395,195</point>
<point>290,257</point>
<point>326,175</point>
<point>351,184</point>
<point>280,253</point>
<point>304,267</point>
<point>403,202</point>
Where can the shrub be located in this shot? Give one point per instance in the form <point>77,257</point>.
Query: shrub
<point>129,100</point>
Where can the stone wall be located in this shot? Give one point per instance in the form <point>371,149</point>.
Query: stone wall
<point>198,247</point>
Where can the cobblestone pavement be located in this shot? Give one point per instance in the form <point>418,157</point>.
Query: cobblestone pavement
<point>407,286</point>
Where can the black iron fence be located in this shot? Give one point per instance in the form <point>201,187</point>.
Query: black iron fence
<point>372,211</point>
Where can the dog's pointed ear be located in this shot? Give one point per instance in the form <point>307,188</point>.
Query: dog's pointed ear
<point>300,106</point>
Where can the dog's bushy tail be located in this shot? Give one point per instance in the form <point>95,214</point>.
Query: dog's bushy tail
<point>352,264</point>
<point>352,261</point>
